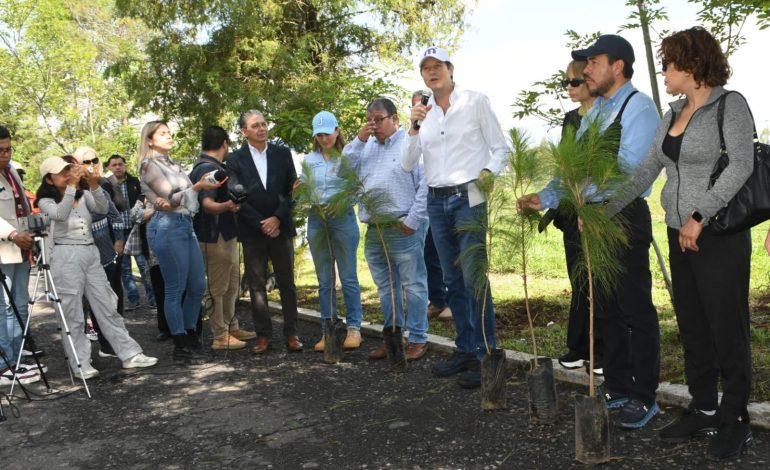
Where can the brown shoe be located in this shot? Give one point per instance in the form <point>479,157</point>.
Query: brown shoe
<point>321,345</point>
<point>445,315</point>
<point>243,335</point>
<point>262,345</point>
<point>434,311</point>
<point>379,353</point>
<point>415,351</point>
<point>352,340</point>
<point>293,344</point>
<point>227,342</point>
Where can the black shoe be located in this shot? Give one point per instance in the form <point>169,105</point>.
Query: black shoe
<point>730,441</point>
<point>471,378</point>
<point>613,399</point>
<point>572,360</point>
<point>457,362</point>
<point>163,336</point>
<point>195,342</point>
<point>635,414</point>
<point>185,352</point>
<point>693,423</point>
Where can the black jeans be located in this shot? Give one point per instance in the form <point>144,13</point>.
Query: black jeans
<point>626,317</point>
<point>255,256</point>
<point>577,327</point>
<point>711,299</point>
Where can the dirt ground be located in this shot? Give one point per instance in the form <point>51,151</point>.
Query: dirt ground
<point>291,411</point>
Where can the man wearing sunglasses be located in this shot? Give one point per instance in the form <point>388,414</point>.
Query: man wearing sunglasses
<point>400,223</point>
<point>626,318</point>
<point>461,142</point>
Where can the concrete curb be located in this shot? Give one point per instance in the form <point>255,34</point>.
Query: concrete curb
<point>668,393</point>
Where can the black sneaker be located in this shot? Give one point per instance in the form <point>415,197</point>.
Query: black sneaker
<point>730,441</point>
<point>471,378</point>
<point>572,360</point>
<point>693,423</point>
<point>635,414</point>
<point>613,399</point>
<point>457,362</point>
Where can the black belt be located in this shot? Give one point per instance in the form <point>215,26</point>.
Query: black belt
<point>445,191</point>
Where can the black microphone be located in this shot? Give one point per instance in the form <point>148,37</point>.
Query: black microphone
<point>237,194</point>
<point>426,94</point>
<point>216,176</point>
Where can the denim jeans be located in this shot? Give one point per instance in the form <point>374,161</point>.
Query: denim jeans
<point>173,241</point>
<point>436,288</point>
<point>339,235</point>
<point>449,215</point>
<point>17,279</point>
<point>407,266</point>
<point>129,284</point>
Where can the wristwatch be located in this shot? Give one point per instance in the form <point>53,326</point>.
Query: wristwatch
<point>697,216</point>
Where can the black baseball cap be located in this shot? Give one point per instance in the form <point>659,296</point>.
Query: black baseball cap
<point>610,44</point>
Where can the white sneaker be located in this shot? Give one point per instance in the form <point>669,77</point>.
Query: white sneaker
<point>140,360</point>
<point>106,354</point>
<point>33,367</point>
<point>23,375</point>
<point>88,372</point>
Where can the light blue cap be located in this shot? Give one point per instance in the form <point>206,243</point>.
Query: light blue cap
<point>324,123</point>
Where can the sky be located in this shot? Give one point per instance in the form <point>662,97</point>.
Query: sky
<point>509,44</point>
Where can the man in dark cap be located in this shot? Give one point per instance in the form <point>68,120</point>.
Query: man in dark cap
<point>626,317</point>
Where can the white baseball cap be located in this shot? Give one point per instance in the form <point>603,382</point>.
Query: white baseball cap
<point>53,166</point>
<point>436,53</point>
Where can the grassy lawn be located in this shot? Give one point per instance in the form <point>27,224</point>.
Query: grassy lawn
<point>549,288</point>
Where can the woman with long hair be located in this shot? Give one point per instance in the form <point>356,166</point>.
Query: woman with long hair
<point>76,265</point>
<point>171,237</point>
<point>710,272</point>
<point>333,237</point>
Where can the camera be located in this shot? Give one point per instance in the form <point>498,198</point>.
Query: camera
<point>38,222</point>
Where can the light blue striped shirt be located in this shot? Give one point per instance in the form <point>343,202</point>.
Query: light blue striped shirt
<point>324,174</point>
<point>378,165</point>
<point>640,120</point>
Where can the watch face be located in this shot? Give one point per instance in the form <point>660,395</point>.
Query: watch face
<point>697,217</point>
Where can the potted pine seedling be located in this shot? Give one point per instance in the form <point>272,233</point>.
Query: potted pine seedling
<point>376,201</point>
<point>308,201</point>
<point>527,169</point>
<point>583,168</point>
<point>490,230</point>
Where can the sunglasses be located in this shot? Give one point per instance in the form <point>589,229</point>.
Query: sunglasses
<point>90,162</point>
<point>574,83</point>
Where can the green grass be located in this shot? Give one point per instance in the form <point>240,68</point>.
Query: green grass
<point>550,291</point>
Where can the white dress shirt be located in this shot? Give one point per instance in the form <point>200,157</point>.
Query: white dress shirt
<point>457,145</point>
<point>260,161</point>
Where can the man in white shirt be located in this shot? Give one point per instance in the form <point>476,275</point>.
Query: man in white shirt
<point>461,142</point>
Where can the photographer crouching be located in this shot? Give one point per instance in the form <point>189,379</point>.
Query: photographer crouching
<point>75,263</point>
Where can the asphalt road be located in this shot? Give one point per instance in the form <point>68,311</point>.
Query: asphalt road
<point>292,411</point>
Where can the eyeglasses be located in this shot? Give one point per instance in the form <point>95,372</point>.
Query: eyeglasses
<point>574,83</point>
<point>378,120</point>
<point>90,162</point>
<point>6,150</point>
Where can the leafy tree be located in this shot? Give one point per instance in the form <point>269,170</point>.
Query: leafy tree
<point>207,60</point>
<point>53,55</point>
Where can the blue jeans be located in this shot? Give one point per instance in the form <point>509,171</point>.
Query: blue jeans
<point>436,288</point>
<point>17,279</point>
<point>408,274</point>
<point>129,284</point>
<point>449,214</point>
<point>340,236</point>
<point>173,241</point>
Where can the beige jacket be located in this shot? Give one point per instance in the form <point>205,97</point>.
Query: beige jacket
<point>9,252</point>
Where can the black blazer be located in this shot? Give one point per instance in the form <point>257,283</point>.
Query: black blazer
<point>260,203</point>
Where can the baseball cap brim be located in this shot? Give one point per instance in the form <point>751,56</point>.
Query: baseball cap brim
<point>53,166</point>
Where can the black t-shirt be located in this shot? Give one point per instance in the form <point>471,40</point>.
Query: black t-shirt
<point>208,227</point>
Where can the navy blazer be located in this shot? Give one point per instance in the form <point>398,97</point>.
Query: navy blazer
<point>260,203</point>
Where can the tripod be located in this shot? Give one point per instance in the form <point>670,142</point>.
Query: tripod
<point>49,292</point>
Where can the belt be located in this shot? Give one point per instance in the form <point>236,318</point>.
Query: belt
<point>445,191</point>
<point>73,244</point>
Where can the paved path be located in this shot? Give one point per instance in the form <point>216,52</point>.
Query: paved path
<point>292,411</point>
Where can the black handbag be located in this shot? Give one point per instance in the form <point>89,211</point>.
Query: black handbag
<point>751,204</point>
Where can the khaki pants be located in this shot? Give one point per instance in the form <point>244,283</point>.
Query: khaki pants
<point>222,271</point>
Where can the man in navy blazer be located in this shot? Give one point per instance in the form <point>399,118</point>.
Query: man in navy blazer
<point>266,173</point>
